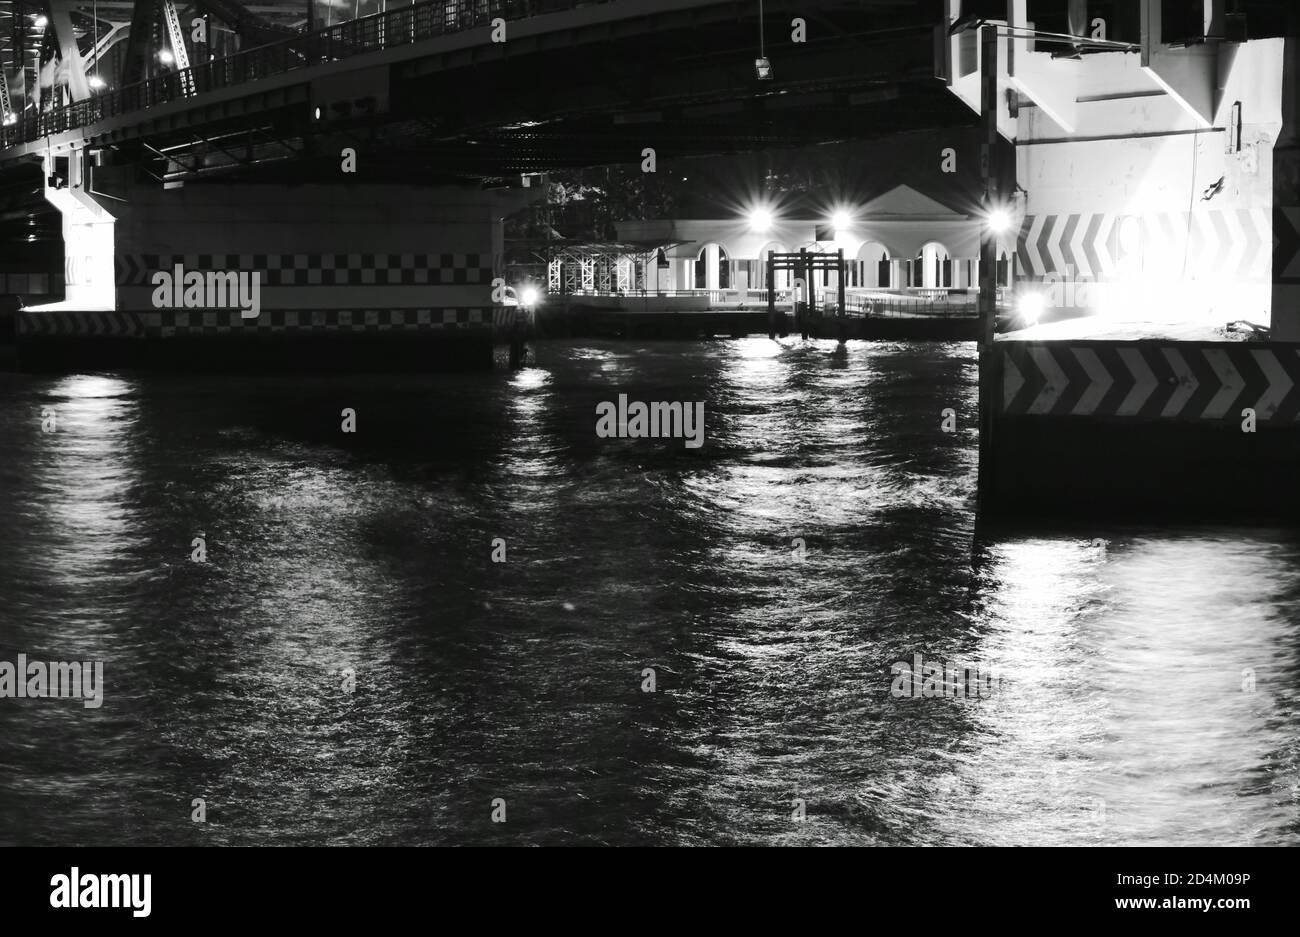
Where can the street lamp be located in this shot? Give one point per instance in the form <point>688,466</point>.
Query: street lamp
<point>999,221</point>
<point>760,220</point>
<point>1031,306</point>
<point>166,57</point>
<point>762,67</point>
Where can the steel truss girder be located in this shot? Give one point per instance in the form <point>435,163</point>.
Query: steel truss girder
<point>6,106</point>
<point>246,24</point>
<point>176,37</point>
<point>60,18</point>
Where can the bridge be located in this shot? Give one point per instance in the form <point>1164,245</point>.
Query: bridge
<point>298,180</point>
<point>362,158</point>
<point>435,89</point>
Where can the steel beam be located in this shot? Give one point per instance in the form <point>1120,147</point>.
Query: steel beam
<point>6,106</point>
<point>60,17</point>
<point>17,90</point>
<point>176,38</point>
<point>135,63</point>
<point>251,29</point>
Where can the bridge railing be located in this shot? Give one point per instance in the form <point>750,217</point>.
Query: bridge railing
<point>937,304</point>
<point>396,27</point>
<point>751,298</point>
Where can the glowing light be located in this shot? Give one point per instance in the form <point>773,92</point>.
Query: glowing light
<point>530,378</point>
<point>999,221</point>
<point>1031,306</point>
<point>10,118</point>
<point>531,296</point>
<point>40,22</point>
<point>96,82</point>
<point>166,57</point>
<point>760,220</point>
<point>841,220</point>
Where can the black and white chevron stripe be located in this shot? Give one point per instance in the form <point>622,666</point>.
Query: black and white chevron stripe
<point>1152,380</point>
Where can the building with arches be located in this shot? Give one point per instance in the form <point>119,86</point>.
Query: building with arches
<point>900,241</point>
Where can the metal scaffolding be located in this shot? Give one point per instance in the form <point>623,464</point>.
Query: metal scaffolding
<point>604,267</point>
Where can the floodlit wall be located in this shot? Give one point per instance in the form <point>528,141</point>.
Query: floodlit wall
<point>1143,213</point>
<point>88,232</point>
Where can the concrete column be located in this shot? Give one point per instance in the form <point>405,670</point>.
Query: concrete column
<point>88,240</point>
<point>711,261</point>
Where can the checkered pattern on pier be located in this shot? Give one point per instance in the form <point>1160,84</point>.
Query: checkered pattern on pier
<point>167,323</point>
<point>172,322</point>
<point>320,269</point>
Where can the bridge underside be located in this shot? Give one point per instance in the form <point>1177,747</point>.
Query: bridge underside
<point>458,109</point>
<point>684,85</point>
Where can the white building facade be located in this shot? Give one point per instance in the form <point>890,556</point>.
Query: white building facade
<point>901,241</point>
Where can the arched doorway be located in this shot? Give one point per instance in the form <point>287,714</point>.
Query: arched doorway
<point>712,268</point>
<point>932,268</point>
<point>873,267</point>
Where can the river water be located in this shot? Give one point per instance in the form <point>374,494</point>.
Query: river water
<point>349,665</point>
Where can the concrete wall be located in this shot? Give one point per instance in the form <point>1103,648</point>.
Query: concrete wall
<point>1098,426</point>
<point>1131,191</point>
<point>317,247</point>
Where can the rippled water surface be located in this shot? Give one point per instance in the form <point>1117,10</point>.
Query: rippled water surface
<point>1147,677</point>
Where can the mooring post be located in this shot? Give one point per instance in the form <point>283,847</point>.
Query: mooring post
<point>991,171</point>
<point>801,311</point>
<point>843,325</point>
<point>771,294</point>
<point>518,339</point>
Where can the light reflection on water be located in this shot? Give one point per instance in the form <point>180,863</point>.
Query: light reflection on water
<point>1123,653</point>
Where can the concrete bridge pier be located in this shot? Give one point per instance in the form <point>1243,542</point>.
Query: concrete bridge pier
<point>1158,243</point>
<point>222,276</point>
